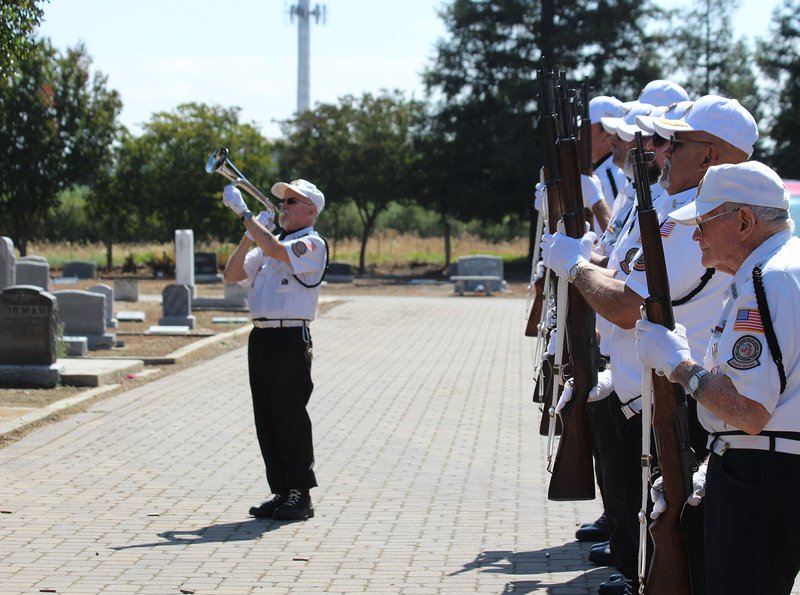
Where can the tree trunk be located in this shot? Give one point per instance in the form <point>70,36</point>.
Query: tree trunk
<point>362,257</point>
<point>448,248</point>
<point>109,246</point>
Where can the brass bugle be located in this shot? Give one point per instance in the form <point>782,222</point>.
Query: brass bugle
<point>219,163</point>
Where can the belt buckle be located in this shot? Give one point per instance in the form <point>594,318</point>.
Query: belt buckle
<point>719,446</point>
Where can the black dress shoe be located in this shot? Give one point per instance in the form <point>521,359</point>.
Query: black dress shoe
<point>596,531</point>
<point>267,508</point>
<point>616,585</point>
<point>297,507</point>
<point>600,554</point>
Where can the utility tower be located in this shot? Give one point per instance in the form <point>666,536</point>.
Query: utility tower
<point>303,13</point>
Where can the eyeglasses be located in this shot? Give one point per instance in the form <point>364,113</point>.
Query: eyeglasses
<point>674,142</point>
<point>707,219</point>
<point>292,201</point>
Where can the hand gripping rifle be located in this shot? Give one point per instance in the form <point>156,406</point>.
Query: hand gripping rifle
<point>573,474</point>
<point>669,572</point>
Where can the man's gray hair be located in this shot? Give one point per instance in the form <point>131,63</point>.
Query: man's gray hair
<point>772,216</point>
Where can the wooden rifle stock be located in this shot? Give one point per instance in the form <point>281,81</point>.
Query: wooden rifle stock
<point>669,571</point>
<point>573,472</point>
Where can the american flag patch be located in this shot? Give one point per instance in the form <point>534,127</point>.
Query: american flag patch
<point>748,319</point>
<point>667,228</point>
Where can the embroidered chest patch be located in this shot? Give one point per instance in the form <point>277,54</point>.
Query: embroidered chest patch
<point>746,352</point>
<point>748,319</point>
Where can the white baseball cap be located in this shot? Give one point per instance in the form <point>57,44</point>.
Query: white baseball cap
<point>672,112</point>
<point>750,183</point>
<point>613,125</point>
<point>627,131</point>
<point>303,188</point>
<point>724,118</point>
<point>605,106</point>
<point>661,92</point>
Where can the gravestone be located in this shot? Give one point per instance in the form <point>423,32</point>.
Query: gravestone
<point>82,269</point>
<point>176,302</point>
<point>8,269</point>
<point>236,295</point>
<point>28,329</point>
<point>34,258</point>
<point>84,315</point>
<point>126,289</point>
<point>205,268</point>
<point>339,272</point>
<point>107,291</point>
<point>33,272</point>
<point>184,259</point>
<point>482,265</point>
<point>131,316</point>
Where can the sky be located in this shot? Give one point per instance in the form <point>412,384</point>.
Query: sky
<point>159,54</point>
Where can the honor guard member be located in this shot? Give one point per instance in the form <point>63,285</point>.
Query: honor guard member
<point>716,130</point>
<point>284,274</point>
<point>748,388</point>
<point>611,177</point>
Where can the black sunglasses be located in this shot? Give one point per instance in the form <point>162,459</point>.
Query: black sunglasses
<point>291,201</point>
<point>658,140</point>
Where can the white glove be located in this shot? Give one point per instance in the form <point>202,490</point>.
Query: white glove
<point>551,343</point>
<point>539,271</point>
<point>539,194</point>
<point>265,218</point>
<point>232,198</point>
<point>566,395</point>
<point>561,252</point>
<point>698,491</point>
<point>603,388</point>
<point>660,348</point>
<point>592,190</point>
<point>599,392</point>
<point>657,496</point>
<point>698,486</point>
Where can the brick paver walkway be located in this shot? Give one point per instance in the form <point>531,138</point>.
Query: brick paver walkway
<point>430,466</point>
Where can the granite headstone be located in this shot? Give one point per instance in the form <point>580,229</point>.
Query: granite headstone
<point>107,291</point>
<point>82,269</point>
<point>7,263</point>
<point>33,272</point>
<point>126,289</point>
<point>84,314</point>
<point>176,302</point>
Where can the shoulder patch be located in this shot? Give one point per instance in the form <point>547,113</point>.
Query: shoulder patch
<point>299,248</point>
<point>637,265</point>
<point>667,228</point>
<point>746,352</point>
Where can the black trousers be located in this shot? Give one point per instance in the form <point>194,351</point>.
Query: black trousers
<point>280,382</point>
<point>752,522</point>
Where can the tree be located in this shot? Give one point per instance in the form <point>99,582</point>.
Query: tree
<point>483,78</point>
<point>360,149</point>
<point>58,125</point>
<point>161,177</point>
<point>779,57</point>
<point>711,60</point>
<point>18,19</point>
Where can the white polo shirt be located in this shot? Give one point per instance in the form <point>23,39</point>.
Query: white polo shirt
<point>275,293</point>
<point>684,269</point>
<point>738,346</point>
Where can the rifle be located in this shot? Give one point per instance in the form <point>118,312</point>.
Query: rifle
<point>548,123</point>
<point>669,571</point>
<point>587,166</point>
<point>573,471</point>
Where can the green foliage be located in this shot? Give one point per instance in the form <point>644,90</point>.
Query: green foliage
<point>70,220</point>
<point>57,128</point>
<point>779,57</point>
<point>18,19</point>
<point>359,149</point>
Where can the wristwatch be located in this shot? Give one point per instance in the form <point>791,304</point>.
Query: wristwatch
<point>575,271</point>
<point>246,215</point>
<point>694,380</point>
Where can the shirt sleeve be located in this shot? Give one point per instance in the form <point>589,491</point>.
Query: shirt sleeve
<point>306,254</point>
<point>253,261</point>
<point>683,259</point>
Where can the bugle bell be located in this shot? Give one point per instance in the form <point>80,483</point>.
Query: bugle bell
<point>219,163</point>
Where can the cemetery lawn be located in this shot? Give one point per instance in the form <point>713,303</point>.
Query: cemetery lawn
<point>133,342</point>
